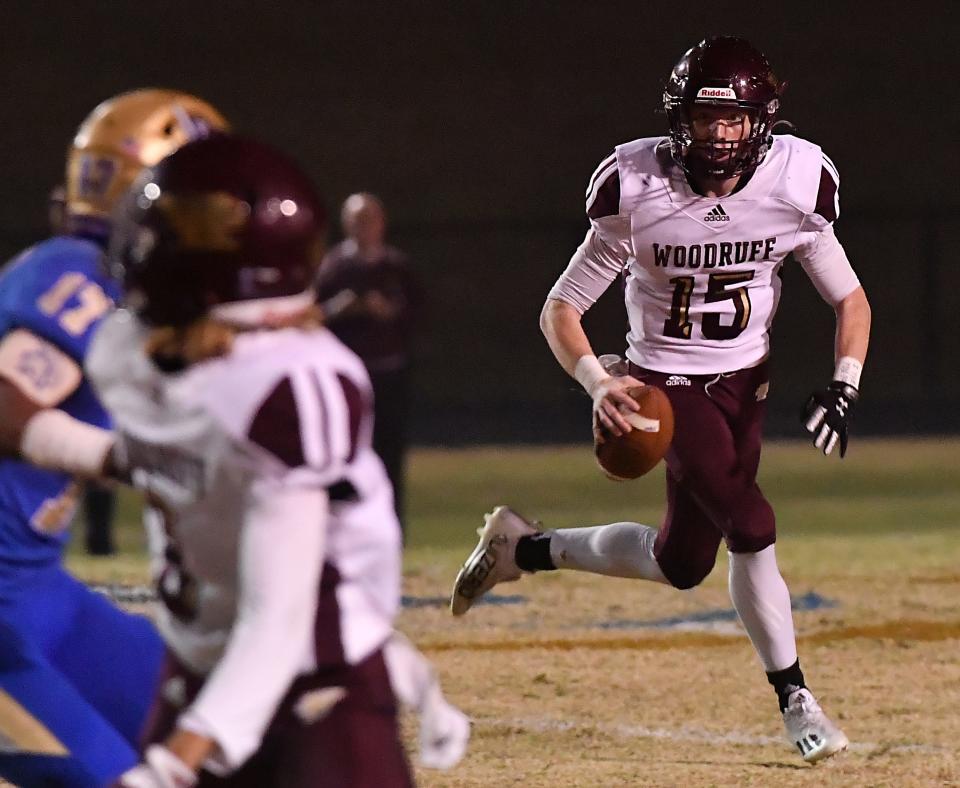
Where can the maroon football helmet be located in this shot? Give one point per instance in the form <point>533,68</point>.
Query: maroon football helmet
<point>222,221</point>
<point>722,71</point>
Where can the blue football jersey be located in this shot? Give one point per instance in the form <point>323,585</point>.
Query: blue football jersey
<point>58,290</point>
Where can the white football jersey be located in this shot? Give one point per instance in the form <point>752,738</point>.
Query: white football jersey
<point>288,408</point>
<point>702,273</point>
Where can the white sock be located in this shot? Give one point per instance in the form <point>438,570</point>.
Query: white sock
<point>618,550</point>
<point>412,677</point>
<point>762,601</point>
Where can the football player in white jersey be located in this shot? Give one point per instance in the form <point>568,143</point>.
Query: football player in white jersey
<point>700,222</point>
<point>248,427</point>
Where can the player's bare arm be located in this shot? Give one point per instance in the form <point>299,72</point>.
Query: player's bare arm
<point>176,762</point>
<point>596,263</point>
<point>560,323</point>
<point>51,438</point>
<point>853,327</point>
<point>191,748</point>
<point>16,409</point>
<point>34,374</point>
<point>828,412</point>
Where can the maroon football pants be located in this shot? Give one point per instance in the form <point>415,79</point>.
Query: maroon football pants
<point>712,491</point>
<point>355,745</point>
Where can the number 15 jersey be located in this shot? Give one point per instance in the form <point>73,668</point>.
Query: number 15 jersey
<point>702,279</point>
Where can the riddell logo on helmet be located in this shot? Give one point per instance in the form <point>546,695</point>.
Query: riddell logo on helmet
<point>717,93</point>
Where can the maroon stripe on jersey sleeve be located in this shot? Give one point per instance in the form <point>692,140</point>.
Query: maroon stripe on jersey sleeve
<point>607,199</point>
<point>276,425</point>
<point>600,171</point>
<point>827,196</point>
<point>356,407</point>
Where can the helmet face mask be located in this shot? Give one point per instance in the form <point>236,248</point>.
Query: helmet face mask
<point>727,74</point>
<point>118,139</point>
<point>224,225</point>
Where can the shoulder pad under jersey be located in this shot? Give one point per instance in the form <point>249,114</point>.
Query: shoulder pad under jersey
<point>603,190</point>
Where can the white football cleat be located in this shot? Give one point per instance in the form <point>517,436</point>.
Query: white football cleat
<point>810,730</point>
<point>492,560</point>
<point>444,734</point>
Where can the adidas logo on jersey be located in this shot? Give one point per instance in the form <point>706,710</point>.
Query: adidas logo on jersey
<point>678,380</point>
<point>717,214</point>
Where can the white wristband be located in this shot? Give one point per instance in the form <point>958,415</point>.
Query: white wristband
<point>848,371</point>
<point>53,439</point>
<point>588,372</point>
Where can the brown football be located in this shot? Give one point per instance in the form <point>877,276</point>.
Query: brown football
<point>632,455</point>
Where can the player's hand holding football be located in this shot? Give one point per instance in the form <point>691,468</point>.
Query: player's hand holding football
<point>609,394</point>
<point>828,413</point>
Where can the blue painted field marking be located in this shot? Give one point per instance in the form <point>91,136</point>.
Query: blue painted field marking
<point>138,594</point>
<point>414,602</point>
<point>809,601</point>
<point>125,594</point>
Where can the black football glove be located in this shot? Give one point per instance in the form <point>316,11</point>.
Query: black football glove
<point>828,413</point>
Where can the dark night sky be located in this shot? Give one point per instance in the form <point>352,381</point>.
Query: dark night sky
<point>477,112</point>
<point>480,122</point>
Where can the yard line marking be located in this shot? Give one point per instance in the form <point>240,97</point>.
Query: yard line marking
<point>899,629</point>
<point>685,734</point>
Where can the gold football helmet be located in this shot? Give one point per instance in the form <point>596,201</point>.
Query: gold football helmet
<point>119,138</point>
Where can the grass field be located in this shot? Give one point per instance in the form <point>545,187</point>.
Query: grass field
<point>568,689</point>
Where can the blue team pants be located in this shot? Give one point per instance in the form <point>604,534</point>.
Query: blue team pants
<point>77,677</point>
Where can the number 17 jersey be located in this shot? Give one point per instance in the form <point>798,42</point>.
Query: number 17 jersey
<point>702,274</point>
<point>56,292</point>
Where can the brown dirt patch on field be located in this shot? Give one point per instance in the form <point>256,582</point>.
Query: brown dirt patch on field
<point>558,700</point>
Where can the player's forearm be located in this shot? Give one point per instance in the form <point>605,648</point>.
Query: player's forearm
<point>560,323</point>
<point>191,748</point>
<point>853,326</point>
<point>55,440</point>
<point>16,410</point>
<point>48,437</point>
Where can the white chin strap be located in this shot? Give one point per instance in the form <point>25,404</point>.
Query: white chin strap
<point>263,311</point>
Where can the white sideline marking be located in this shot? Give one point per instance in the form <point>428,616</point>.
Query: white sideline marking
<point>686,734</point>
